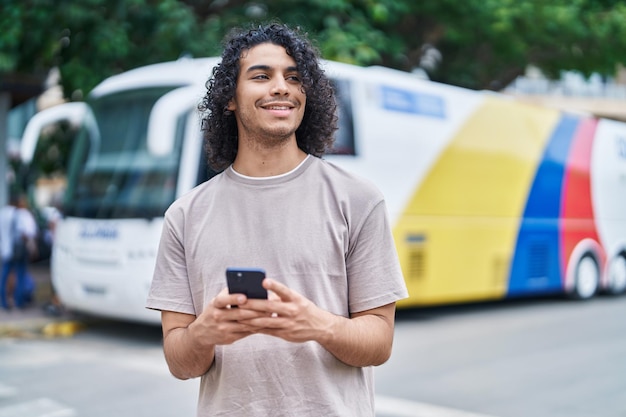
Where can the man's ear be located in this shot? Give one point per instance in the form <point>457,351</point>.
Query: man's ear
<point>231,106</point>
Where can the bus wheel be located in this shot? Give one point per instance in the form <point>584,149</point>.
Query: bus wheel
<point>617,274</point>
<point>587,278</point>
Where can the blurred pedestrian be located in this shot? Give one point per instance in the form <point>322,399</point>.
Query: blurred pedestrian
<point>52,215</point>
<point>18,231</point>
<point>320,232</point>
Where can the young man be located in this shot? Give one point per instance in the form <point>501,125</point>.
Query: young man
<point>321,234</point>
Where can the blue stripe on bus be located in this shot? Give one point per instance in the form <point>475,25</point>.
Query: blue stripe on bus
<point>536,267</point>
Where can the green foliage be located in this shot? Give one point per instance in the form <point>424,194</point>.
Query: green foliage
<point>52,150</point>
<point>92,39</point>
<point>486,44</point>
<point>103,38</point>
<point>21,49</point>
<point>483,43</point>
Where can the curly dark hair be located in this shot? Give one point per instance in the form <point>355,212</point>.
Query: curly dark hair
<point>314,135</point>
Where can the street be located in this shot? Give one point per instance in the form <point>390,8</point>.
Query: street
<point>545,357</point>
<point>541,358</point>
<point>108,369</point>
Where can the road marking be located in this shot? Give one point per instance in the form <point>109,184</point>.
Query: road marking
<point>42,407</point>
<point>399,407</point>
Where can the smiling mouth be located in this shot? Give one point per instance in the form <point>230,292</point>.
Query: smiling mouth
<point>278,105</point>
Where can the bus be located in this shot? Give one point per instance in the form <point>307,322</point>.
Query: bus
<point>490,198</point>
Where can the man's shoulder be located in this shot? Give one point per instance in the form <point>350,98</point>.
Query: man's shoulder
<point>198,194</point>
<point>352,182</point>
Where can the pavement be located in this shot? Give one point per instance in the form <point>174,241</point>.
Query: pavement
<point>42,317</point>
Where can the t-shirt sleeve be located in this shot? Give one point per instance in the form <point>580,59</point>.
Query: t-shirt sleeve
<point>374,274</point>
<point>170,289</point>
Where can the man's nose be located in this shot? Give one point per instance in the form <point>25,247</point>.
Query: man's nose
<point>279,87</point>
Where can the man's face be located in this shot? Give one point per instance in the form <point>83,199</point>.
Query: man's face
<point>269,100</point>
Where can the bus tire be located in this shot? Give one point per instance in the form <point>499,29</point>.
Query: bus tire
<point>586,278</point>
<point>617,274</point>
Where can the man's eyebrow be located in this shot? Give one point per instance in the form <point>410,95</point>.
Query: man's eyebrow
<point>258,67</point>
<point>263,67</point>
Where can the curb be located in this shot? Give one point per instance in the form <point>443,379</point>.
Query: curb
<point>32,329</point>
<point>34,323</point>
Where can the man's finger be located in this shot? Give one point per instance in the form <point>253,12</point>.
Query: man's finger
<point>224,299</point>
<point>284,292</point>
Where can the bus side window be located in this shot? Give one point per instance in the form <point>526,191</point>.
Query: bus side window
<point>344,136</point>
<point>60,148</point>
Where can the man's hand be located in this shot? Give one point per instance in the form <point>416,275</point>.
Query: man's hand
<point>288,315</point>
<point>189,341</point>
<point>363,339</point>
<point>221,324</point>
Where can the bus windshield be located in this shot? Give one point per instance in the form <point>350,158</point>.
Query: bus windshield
<point>111,173</point>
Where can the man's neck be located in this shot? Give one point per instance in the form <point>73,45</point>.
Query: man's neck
<point>268,162</point>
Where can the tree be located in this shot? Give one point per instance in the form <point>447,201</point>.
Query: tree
<point>90,40</point>
<point>478,44</point>
<point>488,43</point>
<point>474,43</point>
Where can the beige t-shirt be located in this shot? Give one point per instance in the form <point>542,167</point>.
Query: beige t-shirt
<point>318,229</point>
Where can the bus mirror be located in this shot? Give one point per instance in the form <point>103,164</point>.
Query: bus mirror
<point>72,112</point>
<point>164,118</point>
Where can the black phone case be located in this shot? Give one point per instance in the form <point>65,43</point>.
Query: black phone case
<point>246,281</point>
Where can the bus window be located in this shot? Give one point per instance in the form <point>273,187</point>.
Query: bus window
<point>117,177</point>
<point>344,136</point>
<point>45,178</point>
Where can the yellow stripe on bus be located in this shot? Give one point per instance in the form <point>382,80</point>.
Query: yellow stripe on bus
<point>465,215</point>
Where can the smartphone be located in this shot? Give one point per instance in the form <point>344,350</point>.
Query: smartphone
<point>246,281</point>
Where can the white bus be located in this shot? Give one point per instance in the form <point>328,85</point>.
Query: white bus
<point>489,198</point>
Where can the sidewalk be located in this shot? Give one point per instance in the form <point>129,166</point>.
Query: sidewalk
<point>33,320</point>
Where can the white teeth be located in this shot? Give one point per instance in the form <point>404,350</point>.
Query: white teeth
<point>278,108</point>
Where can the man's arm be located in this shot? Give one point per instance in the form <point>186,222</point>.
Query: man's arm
<point>365,339</point>
<point>185,353</point>
<point>189,341</point>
